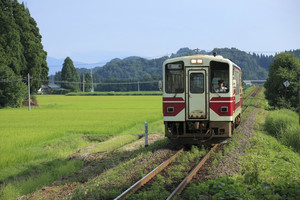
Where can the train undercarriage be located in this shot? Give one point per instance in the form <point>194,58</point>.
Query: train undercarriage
<point>198,132</point>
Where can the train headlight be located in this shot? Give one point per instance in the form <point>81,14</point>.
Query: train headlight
<point>196,61</point>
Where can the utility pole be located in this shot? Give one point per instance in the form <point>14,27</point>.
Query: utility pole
<point>146,134</point>
<point>138,86</point>
<point>92,81</point>
<point>83,81</point>
<point>29,92</point>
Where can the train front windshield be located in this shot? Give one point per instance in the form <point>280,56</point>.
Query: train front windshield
<point>174,80</point>
<point>219,77</point>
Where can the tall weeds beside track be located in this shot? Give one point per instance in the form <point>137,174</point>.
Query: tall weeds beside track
<point>283,124</point>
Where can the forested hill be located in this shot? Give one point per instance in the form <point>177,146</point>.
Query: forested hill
<point>132,68</point>
<point>254,66</point>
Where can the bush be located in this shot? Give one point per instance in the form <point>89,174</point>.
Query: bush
<point>283,124</point>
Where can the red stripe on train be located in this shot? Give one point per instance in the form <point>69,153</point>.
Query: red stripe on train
<point>216,106</point>
<point>221,99</point>
<point>173,99</point>
<point>177,108</point>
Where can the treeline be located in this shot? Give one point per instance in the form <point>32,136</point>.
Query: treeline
<point>147,83</point>
<point>134,69</point>
<point>21,52</point>
<point>254,66</point>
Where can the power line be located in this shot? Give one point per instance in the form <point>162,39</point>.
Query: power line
<point>76,82</point>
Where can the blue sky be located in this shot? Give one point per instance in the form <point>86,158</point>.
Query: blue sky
<point>95,30</point>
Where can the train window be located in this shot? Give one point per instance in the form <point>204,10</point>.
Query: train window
<point>196,83</point>
<point>174,80</point>
<point>237,78</point>
<point>219,76</point>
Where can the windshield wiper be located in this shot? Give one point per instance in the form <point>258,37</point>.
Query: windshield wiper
<point>216,91</point>
<point>176,92</point>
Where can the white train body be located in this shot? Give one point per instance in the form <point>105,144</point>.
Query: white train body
<point>196,106</point>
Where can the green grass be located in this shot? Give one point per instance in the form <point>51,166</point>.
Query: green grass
<point>111,183</point>
<point>269,169</point>
<point>60,126</point>
<point>284,125</point>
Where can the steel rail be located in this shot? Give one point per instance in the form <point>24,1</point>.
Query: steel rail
<point>148,177</point>
<point>189,177</point>
<point>252,94</point>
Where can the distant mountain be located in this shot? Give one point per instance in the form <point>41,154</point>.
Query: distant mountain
<point>55,65</point>
<point>138,68</point>
<point>254,66</point>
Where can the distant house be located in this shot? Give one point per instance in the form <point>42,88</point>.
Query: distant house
<point>45,88</point>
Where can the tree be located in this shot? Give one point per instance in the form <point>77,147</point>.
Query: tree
<point>10,39</point>
<point>69,74</point>
<point>12,92</point>
<point>31,40</point>
<point>285,67</point>
<point>21,52</point>
<point>88,81</point>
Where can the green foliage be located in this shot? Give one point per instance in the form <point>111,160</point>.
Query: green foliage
<point>231,188</point>
<point>20,49</point>
<point>285,67</point>
<point>11,92</point>
<point>283,124</point>
<point>31,41</point>
<point>131,68</point>
<point>69,74</point>
<point>248,63</point>
<point>87,79</point>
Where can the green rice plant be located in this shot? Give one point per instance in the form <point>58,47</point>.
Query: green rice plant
<point>62,125</point>
<point>47,174</point>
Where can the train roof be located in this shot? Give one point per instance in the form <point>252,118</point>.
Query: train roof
<point>208,57</point>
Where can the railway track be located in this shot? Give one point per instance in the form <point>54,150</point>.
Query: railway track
<point>139,184</point>
<point>252,94</point>
<point>136,186</point>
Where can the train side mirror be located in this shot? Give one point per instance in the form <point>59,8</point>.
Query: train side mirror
<point>234,84</point>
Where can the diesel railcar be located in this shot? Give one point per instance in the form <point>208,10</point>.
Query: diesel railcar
<point>202,98</point>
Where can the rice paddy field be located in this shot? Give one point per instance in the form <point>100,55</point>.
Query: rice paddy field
<point>61,124</point>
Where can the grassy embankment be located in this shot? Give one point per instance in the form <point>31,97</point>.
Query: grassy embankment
<point>270,169</point>
<point>34,145</point>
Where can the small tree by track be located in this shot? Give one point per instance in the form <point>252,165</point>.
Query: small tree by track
<point>285,67</point>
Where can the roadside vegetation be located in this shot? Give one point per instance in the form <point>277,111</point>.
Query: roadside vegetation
<point>284,125</point>
<point>269,169</point>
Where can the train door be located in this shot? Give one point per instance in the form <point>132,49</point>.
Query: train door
<point>196,95</point>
